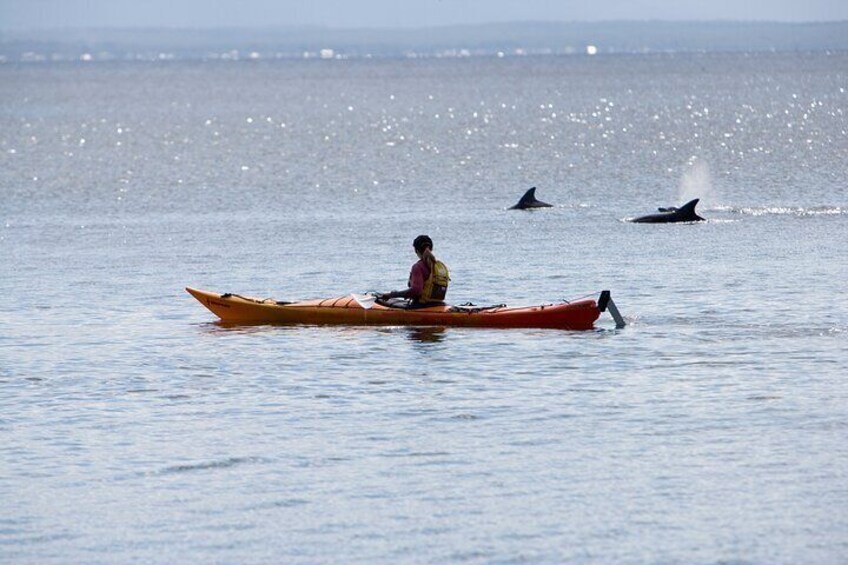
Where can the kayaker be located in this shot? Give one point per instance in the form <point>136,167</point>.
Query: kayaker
<point>428,278</point>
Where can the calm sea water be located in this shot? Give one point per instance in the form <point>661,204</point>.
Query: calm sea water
<point>714,428</point>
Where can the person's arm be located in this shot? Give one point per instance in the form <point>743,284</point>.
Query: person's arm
<point>416,285</point>
<point>416,281</point>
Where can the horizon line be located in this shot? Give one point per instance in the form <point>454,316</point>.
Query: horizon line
<point>180,27</point>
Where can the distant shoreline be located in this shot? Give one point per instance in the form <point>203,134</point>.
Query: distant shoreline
<point>500,40</point>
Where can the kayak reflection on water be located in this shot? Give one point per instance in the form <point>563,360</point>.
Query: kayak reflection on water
<point>426,334</point>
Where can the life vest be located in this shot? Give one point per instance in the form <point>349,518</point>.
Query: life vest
<point>436,285</point>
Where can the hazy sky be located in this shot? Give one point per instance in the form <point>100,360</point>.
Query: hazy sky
<point>35,14</point>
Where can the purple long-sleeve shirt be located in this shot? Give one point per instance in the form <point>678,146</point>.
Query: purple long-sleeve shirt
<point>417,275</point>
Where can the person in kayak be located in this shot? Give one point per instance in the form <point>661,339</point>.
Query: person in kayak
<point>428,278</point>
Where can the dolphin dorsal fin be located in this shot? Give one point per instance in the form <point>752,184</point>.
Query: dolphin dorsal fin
<point>689,206</point>
<point>688,211</point>
<point>529,196</point>
<point>528,201</point>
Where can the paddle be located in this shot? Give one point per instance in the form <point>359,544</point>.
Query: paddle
<point>364,300</point>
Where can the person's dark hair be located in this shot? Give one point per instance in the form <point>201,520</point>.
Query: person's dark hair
<point>422,242</point>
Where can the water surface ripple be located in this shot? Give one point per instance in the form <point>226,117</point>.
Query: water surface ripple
<point>712,429</point>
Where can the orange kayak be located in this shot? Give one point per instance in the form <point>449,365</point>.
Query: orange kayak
<point>352,310</point>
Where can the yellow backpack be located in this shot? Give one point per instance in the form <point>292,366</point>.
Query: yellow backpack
<point>436,285</point>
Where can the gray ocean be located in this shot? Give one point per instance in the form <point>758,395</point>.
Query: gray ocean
<point>712,429</point>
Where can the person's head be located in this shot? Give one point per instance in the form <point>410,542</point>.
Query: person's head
<point>421,243</point>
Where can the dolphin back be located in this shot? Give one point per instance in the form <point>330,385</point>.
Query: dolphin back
<point>685,213</point>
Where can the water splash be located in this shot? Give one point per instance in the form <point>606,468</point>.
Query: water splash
<point>697,183</point>
<point>799,211</point>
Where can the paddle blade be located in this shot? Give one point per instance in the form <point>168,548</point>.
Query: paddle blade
<point>364,300</point>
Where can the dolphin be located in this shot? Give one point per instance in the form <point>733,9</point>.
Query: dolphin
<point>685,213</point>
<point>529,201</point>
